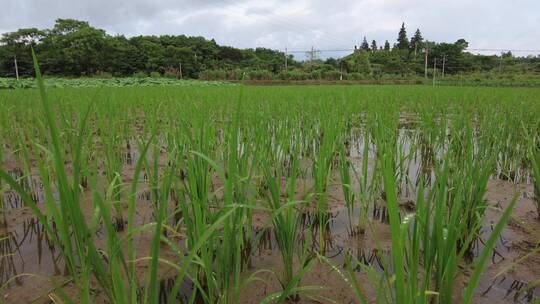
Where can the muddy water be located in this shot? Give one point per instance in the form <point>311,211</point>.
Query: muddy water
<point>25,248</point>
<point>374,249</point>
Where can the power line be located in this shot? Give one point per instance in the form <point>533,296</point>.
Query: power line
<point>331,50</point>
<point>505,50</point>
<point>484,50</point>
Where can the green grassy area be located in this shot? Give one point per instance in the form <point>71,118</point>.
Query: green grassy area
<point>490,79</point>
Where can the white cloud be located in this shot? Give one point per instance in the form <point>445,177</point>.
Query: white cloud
<point>297,24</point>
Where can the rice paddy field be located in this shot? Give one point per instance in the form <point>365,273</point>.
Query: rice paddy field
<point>245,194</point>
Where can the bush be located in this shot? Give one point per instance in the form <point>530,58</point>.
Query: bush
<point>315,75</point>
<point>293,75</point>
<point>103,75</point>
<point>357,76</point>
<point>140,75</point>
<point>155,74</point>
<point>236,74</point>
<point>171,73</point>
<point>283,75</point>
<point>331,75</point>
<point>259,75</point>
<point>213,75</point>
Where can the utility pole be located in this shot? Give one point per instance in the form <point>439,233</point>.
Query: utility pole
<point>311,55</point>
<point>415,48</point>
<point>434,69</point>
<point>500,62</point>
<point>285,59</point>
<point>16,67</point>
<point>425,63</point>
<point>341,71</point>
<point>443,62</point>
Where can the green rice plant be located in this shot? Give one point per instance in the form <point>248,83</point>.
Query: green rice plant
<point>236,191</point>
<point>425,255</point>
<point>117,265</point>
<point>216,264</point>
<point>472,164</point>
<point>481,263</point>
<point>535,164</point>
<point>364,195</point>
<point>197,214</point>
<point>285,221</point>
<point>329,133</point>
<point>208,162</point>
<point>367,188</point>
<point>152,290</point>
<point>346,186</point>
<point>113,167</point>
<point>429,139</point>
<point>75,240</point>
<point>512,147</point>
<point>131,255</point>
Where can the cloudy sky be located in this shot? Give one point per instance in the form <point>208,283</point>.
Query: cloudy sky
<point>296,24</point>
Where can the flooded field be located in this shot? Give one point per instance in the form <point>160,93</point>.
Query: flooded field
<point>360,194</point>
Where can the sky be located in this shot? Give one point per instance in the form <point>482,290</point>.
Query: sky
<point>296,24</point>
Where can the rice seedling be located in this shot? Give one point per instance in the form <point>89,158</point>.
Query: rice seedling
<point>322,164</point>
<point>183,194</point>
<point>367,188</point>
<point>426,252</point>
<point>76,242</point>
<point>346,185</point>
<point>535,162</point>
<point>285,221</point>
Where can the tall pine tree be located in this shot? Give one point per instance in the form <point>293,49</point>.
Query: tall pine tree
<point>386,45</point>
<point>373,46</point>
<point>417,41</point>
<point>365,46</point>
<point>403,42</point>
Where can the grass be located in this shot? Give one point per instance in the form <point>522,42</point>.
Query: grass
<point>209,160</point>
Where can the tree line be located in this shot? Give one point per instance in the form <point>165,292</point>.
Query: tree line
<point>74,48</point>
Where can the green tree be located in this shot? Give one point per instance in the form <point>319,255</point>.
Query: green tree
<point>374,47</point>
<point>67,26</point>
<point>365,45</point>
<point>359,62</point>
<point>403,42</point>
<point>453,54</point>
<point>73,47</point>
<point>386,45</point>
<point>417,41</point>
<point>120,57</point>
<point>17,45</point>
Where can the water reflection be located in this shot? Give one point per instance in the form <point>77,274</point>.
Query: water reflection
<point>510,289</point>
<point>28,249</point>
